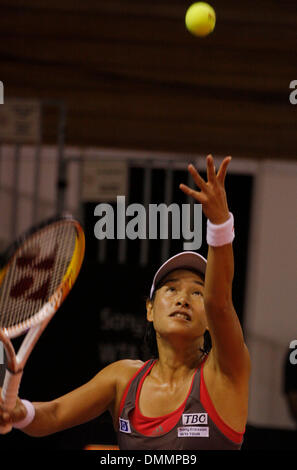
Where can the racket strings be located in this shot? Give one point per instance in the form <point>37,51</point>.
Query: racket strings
<point>35,272</point>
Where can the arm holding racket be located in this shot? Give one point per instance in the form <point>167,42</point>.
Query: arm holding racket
<point>77,407</point>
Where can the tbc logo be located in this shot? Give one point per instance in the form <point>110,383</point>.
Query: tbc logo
<point>194,418</point>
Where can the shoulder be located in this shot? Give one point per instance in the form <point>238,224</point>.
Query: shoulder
<point>124,366</point>
<point>126,369</point>
<point>120,372</point>
<point>117,374</point>
<point>123,371</point>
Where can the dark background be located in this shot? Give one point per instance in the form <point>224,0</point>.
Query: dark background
<point>132,77</point>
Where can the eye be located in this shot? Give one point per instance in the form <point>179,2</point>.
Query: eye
<point>197,292</point>
<point>171,288</point>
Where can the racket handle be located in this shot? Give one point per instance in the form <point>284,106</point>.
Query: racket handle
<point>10,389</point>
<point>9,395</point>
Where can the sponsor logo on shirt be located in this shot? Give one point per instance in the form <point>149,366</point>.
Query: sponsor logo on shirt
<point>193,431</point>
<point>124,425</point>
<point>158,430</point>
<point>194,418</point>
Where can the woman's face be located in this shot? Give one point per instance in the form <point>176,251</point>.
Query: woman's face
<point>178,307</point>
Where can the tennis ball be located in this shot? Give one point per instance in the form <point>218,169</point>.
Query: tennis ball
<point>200,19</point>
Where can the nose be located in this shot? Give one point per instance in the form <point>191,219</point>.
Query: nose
<point>182,302</point>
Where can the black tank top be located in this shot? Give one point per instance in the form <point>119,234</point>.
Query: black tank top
<point>193,431</point>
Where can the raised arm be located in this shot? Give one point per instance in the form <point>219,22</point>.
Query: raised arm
<point>229,350</point>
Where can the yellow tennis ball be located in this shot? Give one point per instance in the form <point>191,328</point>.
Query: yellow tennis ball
<point>200,19</point>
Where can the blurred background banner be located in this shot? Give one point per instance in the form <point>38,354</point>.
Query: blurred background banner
<point>107,99</point>
<point>20,121</point>
<point>103,180</point>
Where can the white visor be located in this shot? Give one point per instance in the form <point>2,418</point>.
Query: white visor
<point>186,260</point>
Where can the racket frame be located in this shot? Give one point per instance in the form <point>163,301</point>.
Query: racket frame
<point>36,325</point>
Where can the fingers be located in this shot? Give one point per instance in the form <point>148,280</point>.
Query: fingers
<point>186,189</point>
<point>4,415</point>
<point>223,170</point>
<point>212,177</point>
<point>196,177</point>
<point>5,422</point>
<point>8,417</point>
<point>210,168</point>
<point>191,192</point>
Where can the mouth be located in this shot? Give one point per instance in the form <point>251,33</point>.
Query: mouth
<point>181,314</point>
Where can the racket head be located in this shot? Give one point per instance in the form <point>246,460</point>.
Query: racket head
<point>37,273</point>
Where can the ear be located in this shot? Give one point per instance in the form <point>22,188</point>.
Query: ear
<point>149,310</point>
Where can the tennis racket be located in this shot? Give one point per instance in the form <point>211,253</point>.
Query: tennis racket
<point>38,271</point>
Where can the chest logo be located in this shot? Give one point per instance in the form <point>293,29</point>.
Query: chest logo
<point>194,418</point>
<point>124,425</point>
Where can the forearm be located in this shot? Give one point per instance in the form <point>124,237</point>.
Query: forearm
<point>219,277</point>
<point>75,408</point>
<point>78,406</point>
<point>227,337</point>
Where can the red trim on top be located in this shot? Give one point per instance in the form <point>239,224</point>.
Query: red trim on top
<point>147,425</point>
<point>128,385</point>
<point>205,400</point>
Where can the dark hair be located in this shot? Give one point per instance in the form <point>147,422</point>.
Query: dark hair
<point>150,340</point>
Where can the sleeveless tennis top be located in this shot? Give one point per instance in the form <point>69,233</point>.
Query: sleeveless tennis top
<point>195,425</point>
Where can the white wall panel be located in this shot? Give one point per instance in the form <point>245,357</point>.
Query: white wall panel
<point>271,300</point>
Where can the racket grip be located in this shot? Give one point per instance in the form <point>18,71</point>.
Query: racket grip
<point>10,389</point>
<point>9,395</point>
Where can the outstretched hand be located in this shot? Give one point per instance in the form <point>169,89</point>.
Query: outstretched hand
<point>212,194</point>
